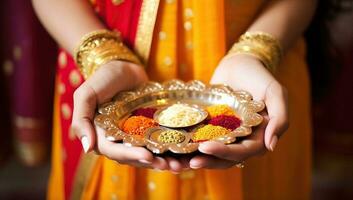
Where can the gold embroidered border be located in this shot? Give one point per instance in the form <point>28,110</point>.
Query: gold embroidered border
<point>83,173</point>
<point>28,122</point>
<point>145,27</point>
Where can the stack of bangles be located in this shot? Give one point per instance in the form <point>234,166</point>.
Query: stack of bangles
<point>262,45</point>
<point>99,47</point>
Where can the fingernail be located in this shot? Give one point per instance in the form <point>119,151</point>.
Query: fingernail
<point>194,165</point>
<point>273,143</point>
<point>203,147</point>
<point>145,161</point>
<point>85,144</point>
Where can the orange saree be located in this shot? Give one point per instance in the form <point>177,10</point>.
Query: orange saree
<point>184,39</point>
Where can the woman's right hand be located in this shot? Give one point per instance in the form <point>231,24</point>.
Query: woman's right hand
<point>106,82</point>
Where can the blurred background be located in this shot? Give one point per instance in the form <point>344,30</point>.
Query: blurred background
<point>28,56</point>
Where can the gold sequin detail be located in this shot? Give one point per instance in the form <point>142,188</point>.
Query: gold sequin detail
<point>168,61</point>
<point>117,2</point>
<point>188,13</point>
<point>8,67</point>
<point>66,111</point>
<point>114,197</point>
<point>162,35</point>
<point>62,60</point>
<point>187,25</point>
<point>17,52</point>
<point>74,78</point>
<point>27,122</point>
<point>114,178</point>
<point>151,185</point>
<point>61,88</point>
<point>72,134</point>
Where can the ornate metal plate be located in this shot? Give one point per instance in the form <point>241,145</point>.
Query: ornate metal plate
<point>111,115</point>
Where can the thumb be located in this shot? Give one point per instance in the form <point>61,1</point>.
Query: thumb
<point>276,103</point>
<point>85,102</point>
<point>84,131</point>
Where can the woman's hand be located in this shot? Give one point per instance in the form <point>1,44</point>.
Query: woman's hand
<point>106,82</point>
<point>245,72</point>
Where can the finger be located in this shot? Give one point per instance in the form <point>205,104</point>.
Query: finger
<point>121,152</point>
<point>174,165</point>
<point>83,113</point>
<point>276,103</point>
<point>210,162</point>
<point>239,151</point>
<point>136,164</point>
<point>159,163</point>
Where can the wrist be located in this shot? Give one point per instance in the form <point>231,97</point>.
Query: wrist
<point>240,63</point>
<point>134,72</point>
<point>241,67</point>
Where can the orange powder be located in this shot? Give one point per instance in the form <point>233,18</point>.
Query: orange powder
<point>137,125</point>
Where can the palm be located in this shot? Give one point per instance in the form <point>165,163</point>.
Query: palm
<point>243,72</point>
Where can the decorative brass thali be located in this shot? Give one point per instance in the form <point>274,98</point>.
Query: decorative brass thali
<point>189,101</point>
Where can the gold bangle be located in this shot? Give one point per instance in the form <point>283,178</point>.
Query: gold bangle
<point>99,47</point>
<point>261,45</point>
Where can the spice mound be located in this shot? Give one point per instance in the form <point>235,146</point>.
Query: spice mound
<point>228,122</point>
<point>171,137</point>
<point>180,115</point>
<point>138,125</point>
<point>146,112</point>
<point>209,132</point>
<point>215,110</point>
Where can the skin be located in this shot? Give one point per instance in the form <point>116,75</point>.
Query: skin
<point>285,20</point>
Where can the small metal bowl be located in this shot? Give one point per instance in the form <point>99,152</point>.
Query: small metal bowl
<point>157,146</point>
<point>202,113</point>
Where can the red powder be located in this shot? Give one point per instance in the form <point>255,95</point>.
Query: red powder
<point>226,121</point>
<point>146,112</point>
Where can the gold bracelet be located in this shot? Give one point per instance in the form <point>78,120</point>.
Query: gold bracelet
<point>99,47</point>
<point>261,45</point>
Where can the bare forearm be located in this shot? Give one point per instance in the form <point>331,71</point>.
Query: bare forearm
<point>67,20</point>
<point>285,19</point>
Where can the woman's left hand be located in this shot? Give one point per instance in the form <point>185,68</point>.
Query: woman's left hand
<point>245,72</point>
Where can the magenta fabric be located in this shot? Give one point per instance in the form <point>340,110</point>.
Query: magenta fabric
<point>29,57</point>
